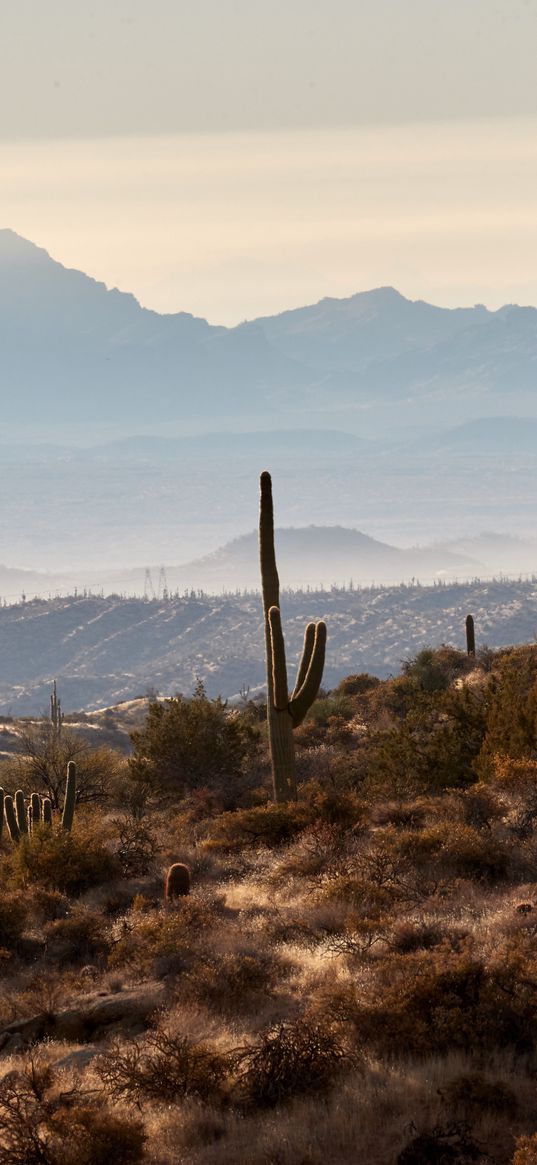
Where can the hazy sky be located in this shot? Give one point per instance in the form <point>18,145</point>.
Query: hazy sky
<point>231,157</point>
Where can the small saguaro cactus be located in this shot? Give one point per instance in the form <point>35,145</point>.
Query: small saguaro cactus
<point>47,811</point>
<point>20,809</point>
<point>284,712</point>
<point>35,806</point>
<point>70,797</point>
<point>11,818</point>
<point>470,635</point>
<point>177,883</point>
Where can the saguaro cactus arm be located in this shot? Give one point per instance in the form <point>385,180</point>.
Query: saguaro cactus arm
<point>309,639</point>
<point>301,703</point>
<point>20,809</point>
<point>279,669</point>
<point>11,818</point>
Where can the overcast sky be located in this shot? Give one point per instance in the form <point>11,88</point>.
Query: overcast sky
<point>69,67</point>
<point>231,157</point>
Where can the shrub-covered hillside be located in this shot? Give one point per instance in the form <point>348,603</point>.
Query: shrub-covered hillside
<point>352,977</point>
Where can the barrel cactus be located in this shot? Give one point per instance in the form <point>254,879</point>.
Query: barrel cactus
<point>177,883</point>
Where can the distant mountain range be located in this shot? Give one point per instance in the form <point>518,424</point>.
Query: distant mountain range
<point>73,350</point>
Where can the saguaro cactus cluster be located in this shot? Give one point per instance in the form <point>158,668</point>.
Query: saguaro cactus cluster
<point>284,712</point>
<point>21,819</point>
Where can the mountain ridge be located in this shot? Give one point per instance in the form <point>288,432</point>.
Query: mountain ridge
<point>74,349</point>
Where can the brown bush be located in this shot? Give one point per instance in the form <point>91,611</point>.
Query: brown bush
<point>452,1145</point>
<point>232,983</point>
<point>270,825</point>
<point>526,1151</point>
<point>453,849</point>
<point>433,1001</point>
<point>162,942</point>
<point>288,1060</point>
<point>40,1125</point>
<point>79,938</point>
<point>473,1094</point>
<point>166,1067</point>
<point>13,915</point>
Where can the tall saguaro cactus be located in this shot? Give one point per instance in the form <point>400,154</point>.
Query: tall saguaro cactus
<point>284,712</point>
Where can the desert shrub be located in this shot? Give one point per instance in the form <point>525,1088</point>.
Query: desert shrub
<point>232,983</point>
<point>526,1151</point>
<point>13,916</point>
<point>474,1093</point>
<point>137,846</point>
<point>408,936</point>
<point>427,672</point>
<point>166,1067</point>
<point>453,849</point>
<point>368,899</point>
<point>270,825</point>
<point>290,1059</point>
<point>57,860</point>
<point>40,1125</point>
<point>511,723</point>
<point>480,806</point>
<point>79,938</point>
<point>357,685</point>
<point>341,807</point>
<point>161,942</point>
<point>191,743</point>
<point>450,1145</point>
<point>46,905</point>
<point>436,1000</point>
<point>433,746</point>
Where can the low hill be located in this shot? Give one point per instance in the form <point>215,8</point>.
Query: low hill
<point>329,555</point>
<point>104,650</point>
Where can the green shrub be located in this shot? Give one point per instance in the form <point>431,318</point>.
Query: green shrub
<point>191,743</point>
<point>57,860</point>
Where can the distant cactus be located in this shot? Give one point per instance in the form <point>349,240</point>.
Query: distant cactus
<point>11,818</point>
<point>284,712</point>
<point>20,809</point>
<point>56,714</point>
<point>47,811</point>
<point>177,882</point>
<point>470,635</point>
<point>70,797</point>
